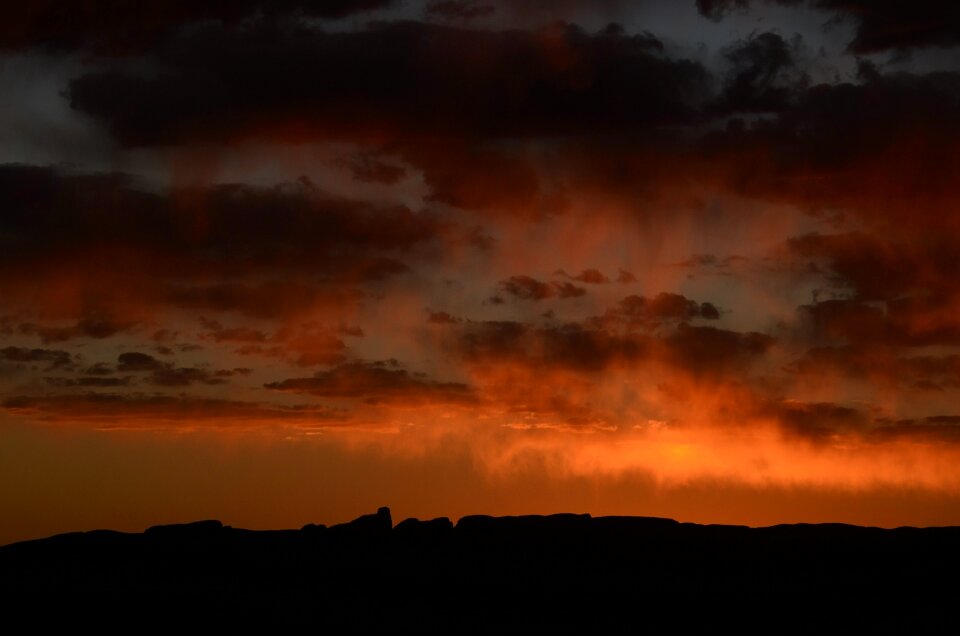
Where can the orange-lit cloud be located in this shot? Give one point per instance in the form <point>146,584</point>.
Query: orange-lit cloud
<point>584,252</point>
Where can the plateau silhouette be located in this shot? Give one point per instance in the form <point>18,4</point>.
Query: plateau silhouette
<point>559,573</point>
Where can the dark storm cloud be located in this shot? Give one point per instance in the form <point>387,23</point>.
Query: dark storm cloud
<point>919,102</point>
<point>261,226</point>
<point>442,318</point>
<point>98,368</point>
<point>527,288</point>
<point>166,374</point>
<point>376,382</point>
<point>937,429</point>
<point>664,306</point>
<point>458,9</point>
<point>717,9</point>
<point>303,346</point>
<point>764,75</point>
<point>54,357</point>
<point>568,346</point>
<point>836,140</point>
<point>195,247</point>
<point>604,100</point>
<point>598,345</point>
<point>844,320</point>
<point>136,361</point>
<point>88,382</point>
<point>826,146</point>
<point>639,312</point>
<point>876,268</point>
<point>711,261</point>
<point>871,268</point>
<point>881,148</point>
<point>902,292</point>
<point>398,79</point>
<point>831,423</point>
<point>925,319</point>
<point>884,366</point>
<point>881,24</point>
<point>589,276</point>
<point>127,26</point>
<point>820,421</point>
<point>906,322</point>
<point>709,350</point>
<point>891,24</point>
<point>142,410</point>
<point>96,328</point>
<point>170,376</point>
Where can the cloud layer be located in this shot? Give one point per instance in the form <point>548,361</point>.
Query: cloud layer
<point>717,252</point>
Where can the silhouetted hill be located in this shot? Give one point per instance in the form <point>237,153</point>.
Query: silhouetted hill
<point>559,573</point>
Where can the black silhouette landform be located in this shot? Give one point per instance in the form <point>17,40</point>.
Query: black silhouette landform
<point>562,573</point>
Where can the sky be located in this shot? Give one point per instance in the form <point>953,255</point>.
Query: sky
<point>280,263</point>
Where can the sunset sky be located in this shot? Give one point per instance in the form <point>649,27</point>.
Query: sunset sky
<point>285,262</point>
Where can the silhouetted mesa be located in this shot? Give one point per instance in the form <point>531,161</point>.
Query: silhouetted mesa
<point>556,573</point>
<point>379,524</point>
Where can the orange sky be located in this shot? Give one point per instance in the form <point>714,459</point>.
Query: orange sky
<point>506,261</point>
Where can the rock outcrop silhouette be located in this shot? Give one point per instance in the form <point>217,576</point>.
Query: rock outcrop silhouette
<point>560,573</point>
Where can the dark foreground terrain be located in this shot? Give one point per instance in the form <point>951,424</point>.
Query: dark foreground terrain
<point>560,573</point>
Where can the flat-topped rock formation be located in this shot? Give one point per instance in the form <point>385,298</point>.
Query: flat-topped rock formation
<point>557,573</point>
